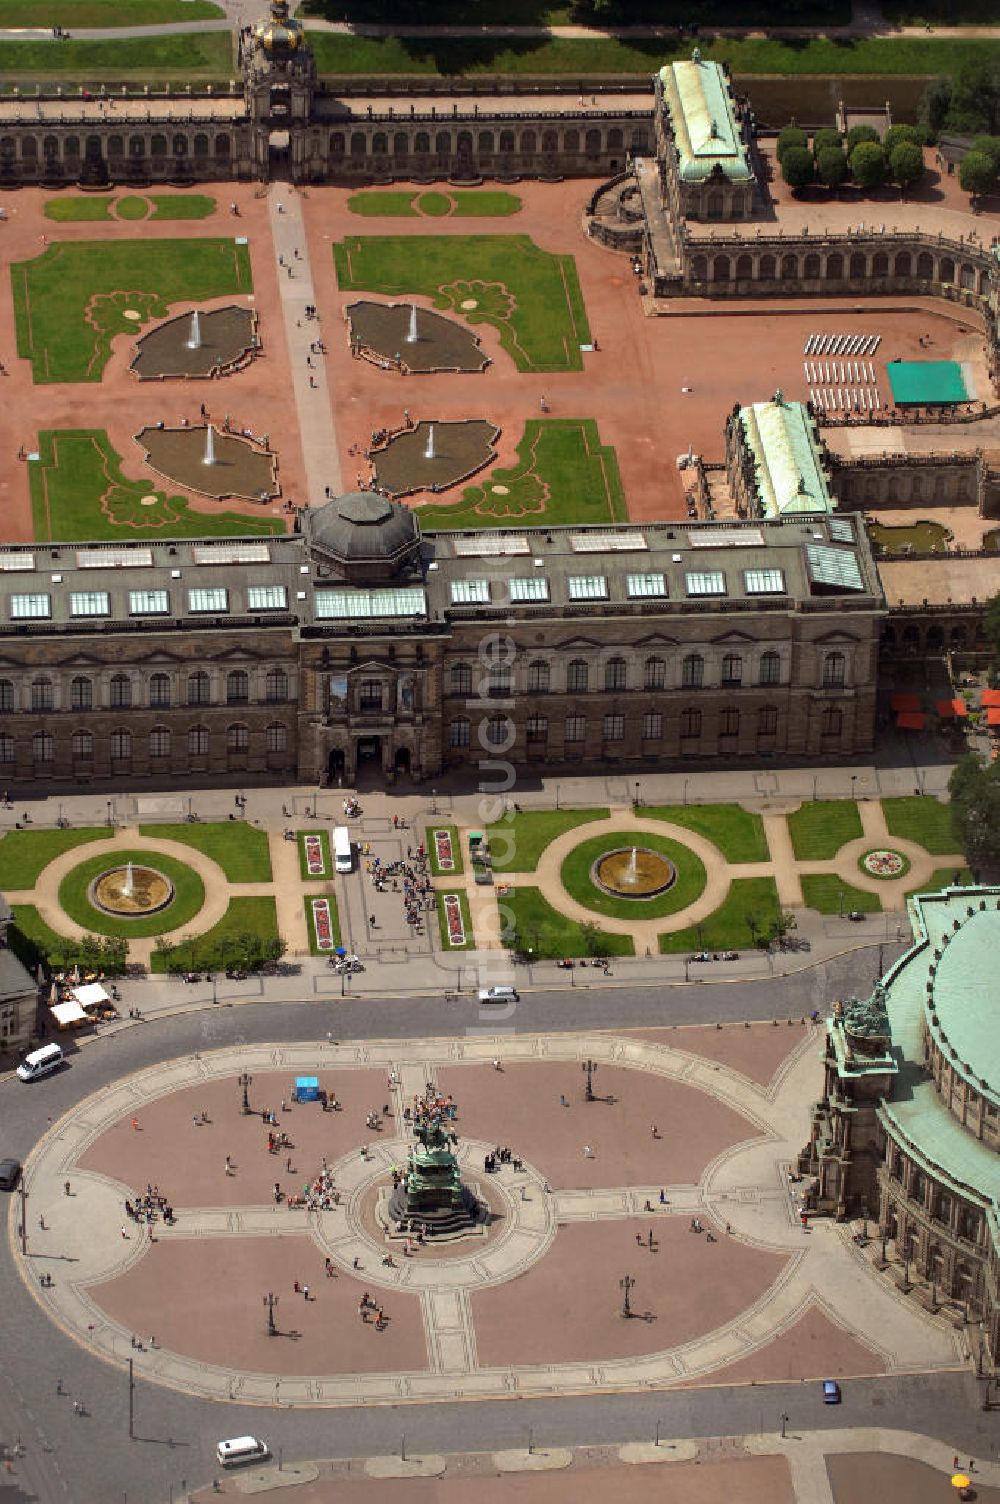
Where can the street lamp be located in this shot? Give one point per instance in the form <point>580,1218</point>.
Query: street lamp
<point>589,1067</point>
<point>109,812</point>
<point>270,1305</point>
<point>245,1082</point>
<point>625,1286</point>
<point>784,1423</point>
<point>854,780</point>
<point>637,800</point>
<point>434,801</point>
<point>686,781</point>
<point>215,988</point>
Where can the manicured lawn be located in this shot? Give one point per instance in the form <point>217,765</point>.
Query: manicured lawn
<point>104,13</point>
<point>88,206</point>
<point>324,841</point>
<point>943,877</point>
<point>923,819</point>
<point>463,203</point>
<point>78,491</point>
<point>244,916</point>
<point>24,853</point>
<point>131,207</point>
<point>737,833</point>
<point>189,895</point>
<point>534,923</point>
<point>379,203</point>
<point>749,899</point>
<point>435,205</point>
<point>32,940</point>
<point>181,205</point>
<point>176,58</point>
<point>517,843</point>
<point>530,296</point>
<point>241,850</point>
<point>463,903</point>
<point>314,949</point>
<point>822,56</point>
<point>456,851</point>
<point>829,894</point>
<point>474,203</point>
<point>70,301</point>
<point>819,829</point>
<point>576,879</point>
<point>564,475</point>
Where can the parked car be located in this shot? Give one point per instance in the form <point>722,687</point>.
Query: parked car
<point>831,1392</point>
<point>10,1174</point>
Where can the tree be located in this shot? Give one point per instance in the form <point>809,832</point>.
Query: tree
<point>906,164</point>
<point>782,925</point>
<point>797,167</point>
<point>897,134</point>
<point>858,134</point>
<point>975,97</point>
<point>824,138</point>
<point>791,136</point>
<point>868,164</point>
<point>935,104</point>
<point>975,810</point>
<point>990,146</point>
<point>976,174</point>
<point>831,166</point>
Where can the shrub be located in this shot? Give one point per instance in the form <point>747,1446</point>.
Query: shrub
<point>990,147</point>
<point>858,134</point>
<point>825,138</point>
<point>831,166</point>
<point>797,167</point>
<point>868,164</point>
<point>897,134</point>
<point>977,174</point>
<point>791,136</point>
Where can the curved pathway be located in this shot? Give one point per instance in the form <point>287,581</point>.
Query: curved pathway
<point>743,1190</point>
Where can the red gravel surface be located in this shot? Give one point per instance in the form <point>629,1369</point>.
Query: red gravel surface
<point>189,1163</point>
<point>203,1298</point>
<point>567,1307</point>
<point>814,1347</point>
<point>756,1052</point>
<point>519,1106</point>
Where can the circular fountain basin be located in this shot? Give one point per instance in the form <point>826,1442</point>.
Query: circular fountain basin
<point>150,892</point>
<point>239,467</point>
<point>633,872</point>
<point>460,448</point>
<point>442,344</point>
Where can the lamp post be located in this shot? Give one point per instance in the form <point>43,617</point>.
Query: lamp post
<point>434,801</point>
<point>245,1082</point>
<point>637,800</point>
<point>686,781</point>
<point>215,988</point>
<point>625,1286</point>
<point>854,781</point>
<point>270,1305</point>
<point>557,796</point>
<point>784,1423</point>
<point>589,1067</point>
<point>110,820</point>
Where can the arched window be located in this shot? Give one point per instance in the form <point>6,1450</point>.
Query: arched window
<point>81,693</point>
<point>198,741</point>
<point>486,143</point>
<point>201,144</point>
<point>810,267</point>
<point>571,141</point>
<point>442,143</point>
<point>925,266</point>
<point>460,679</point>
<point>50,148</point>
<point>136,146</point>
<point>276,737</point>
<point>180,144</point>
<point>615,674</point>
<point>337,144</point>
<point>832,722</point>
<point>640,139</point>
<point>690,724</point>
<point>903,264</point>
<point>834,669</point>
<point>71,147</point>
<point>43,747</point>
<point>770,668</point>
<point>199,688</point>
<point>834,267</point>
<point>159,741</point>
<point>789,268</point>
<point>421,142</point>
<point>41,694</point>
<point>767,720</point>
<point>458,732</point>
<point>859,265</point>
<point>120,692</point>
<point>693,671</point>
<point>6,694</point>
<point>237,738</point>
<point>538,677</point>
<point>223,147</point>
<point>529,142</point>
<point>499,731</point>
<point>380,143</point>
<point>6,748</point>
<point>720,269</point>
<point>82,746</point>
<point>506,141</point>
<point>656,673</point>
<point>358,144</point>
<point>275,685</point>
<point>550,141</point>
<point>615,139</point>
<point>744,268</point>
<point>880,264</point>
<point>732,669</point>
<point>237,687</point>
<point>592,143</point>
<point>577,675</point>
<point>121,745</point>
<point>400,145</point>
<point>767,268</point>
<point>499,682</point>
<point>159,690</point>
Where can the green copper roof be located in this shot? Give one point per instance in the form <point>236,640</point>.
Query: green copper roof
<point>706,132</point>
<point>788,460</point>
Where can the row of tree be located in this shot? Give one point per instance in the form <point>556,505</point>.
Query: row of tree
<point>862,158</point>
<point>104,954</point>
<point>241,952</point>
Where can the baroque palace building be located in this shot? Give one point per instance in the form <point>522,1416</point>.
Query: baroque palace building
<point>361,639</point>
<point>908,1128</point>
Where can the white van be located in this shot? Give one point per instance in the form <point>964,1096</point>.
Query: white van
<point>240,1450</point>
<point>343,859</point>
<point>40,1062</point>
<point>499,995</point>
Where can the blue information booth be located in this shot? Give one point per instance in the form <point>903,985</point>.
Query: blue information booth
<point>306,1089</point>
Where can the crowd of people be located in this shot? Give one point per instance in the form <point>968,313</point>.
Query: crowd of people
<point>149,1206</point>
<point>410,877</point>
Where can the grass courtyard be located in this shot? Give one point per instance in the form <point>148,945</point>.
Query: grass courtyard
<point>188,899</point>
<point>462,203</point>
<point>517,842</point>
<point>688,885</point>
<point>24,853</point>
<point>102,206</point>
<point>923,819</point>
<point>737,833</point>
<point>531,297</point>
<point>78,491</point>
<point>533,928</point>
<point>247,925</point>
<point>177,58</point>
<point>105,13</point>
<point>70,302</point>
<point>241,850</point>
<point>564,475</point>
<point>819,828</point>
<point>830,894</point>
<point>748,911</point>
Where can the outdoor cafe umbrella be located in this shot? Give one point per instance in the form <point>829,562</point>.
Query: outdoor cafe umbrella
<point>961,1482</point>
<point>340,951</point>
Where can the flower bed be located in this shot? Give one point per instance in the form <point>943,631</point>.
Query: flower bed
<point>322,923</point>
<point>453,919</point>
<point>315,865</point>
<point>885,863</point>
<point>444,850</point>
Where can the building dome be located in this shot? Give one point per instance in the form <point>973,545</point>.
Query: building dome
<point>278,32</point>
<point>363,528</point>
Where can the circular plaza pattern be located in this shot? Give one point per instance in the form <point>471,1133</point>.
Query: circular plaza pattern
<point>633,872</point>
<point>175,891</point>
<point>597,1194</point>
<point>884,863</point>
<point>131,890</point>
<point>669,876</point>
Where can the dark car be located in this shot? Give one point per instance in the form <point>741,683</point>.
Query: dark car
<point>10,1173</point>
<point>831,1392</point>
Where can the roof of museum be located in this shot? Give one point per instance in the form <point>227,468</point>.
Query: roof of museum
<point>706,131</point>
<point>960,979</point>
<point>788,458</point>
<point>788,564</point>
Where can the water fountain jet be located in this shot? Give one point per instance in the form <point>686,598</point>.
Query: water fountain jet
<point>209,455</point>
<point>429,446</point>
<point>412,336</point>
<point>194,338</point>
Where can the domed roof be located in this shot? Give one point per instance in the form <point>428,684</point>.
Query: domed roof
<point>278,32</point>
<point>362,525</point>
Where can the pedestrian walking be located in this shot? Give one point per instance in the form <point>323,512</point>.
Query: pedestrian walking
<point>66,1188</point>
<point>663,1197</point>
<point>124,1231</point>
<point>562,1101</point>
<point>41,1224</point>
<point>305,1291</point>
<point>135,1125</point>
<point>229,1165</point>
<point>497,1065</point>
<point>588,1152</point>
